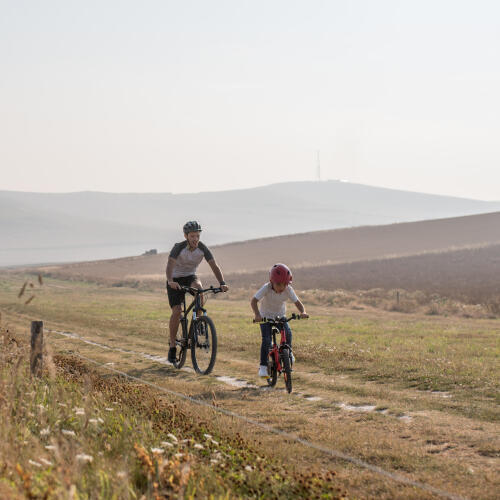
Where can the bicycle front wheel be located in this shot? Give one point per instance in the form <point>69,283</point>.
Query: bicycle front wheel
<point>287,371</point>
<point>272,370</point>
<point>203,344</point>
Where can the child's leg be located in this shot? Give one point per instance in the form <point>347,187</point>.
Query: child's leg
<point>265,329</point>
<point>288,334</point>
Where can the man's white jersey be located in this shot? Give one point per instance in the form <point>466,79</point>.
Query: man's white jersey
<point>187,261</point>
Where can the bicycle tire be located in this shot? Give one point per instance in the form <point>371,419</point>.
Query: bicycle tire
<point>287,370</point>
<point>203,345</point>
<point>181,344</point>
<point>273,371</point>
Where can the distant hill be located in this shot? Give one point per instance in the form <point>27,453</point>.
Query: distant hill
<point>314,254</point>
<point>43,228</point>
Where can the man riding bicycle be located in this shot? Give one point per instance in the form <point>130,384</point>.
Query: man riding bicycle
<point>183,261</point>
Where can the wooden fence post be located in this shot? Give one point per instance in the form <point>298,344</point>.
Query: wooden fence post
<point>36,357</point>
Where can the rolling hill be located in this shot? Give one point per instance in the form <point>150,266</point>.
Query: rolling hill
<point>459,255</point>
<point>48,227</point>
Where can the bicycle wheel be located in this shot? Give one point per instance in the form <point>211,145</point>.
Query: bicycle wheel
<point>203,345</point>
<point>272,369</point>
<point>287,372</point>
<point>181,344</point>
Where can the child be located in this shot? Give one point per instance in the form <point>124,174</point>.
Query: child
<point>274,294</point>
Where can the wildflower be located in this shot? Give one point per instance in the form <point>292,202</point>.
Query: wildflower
<point>79,411</point>
<point>109,409</point>
<point>179,455</point>
<point>62,404</point>
<point>84,458</point>
<point>93,420</point>
<point>166,443</point>
<point>41,408</point>
<point>68,432</point>
<point>46,462</point>
<point>207,436</point>
<point>215,442</point>
<point>45,432</point>
<point>50,447</point>
<point>100,420</point>
<point>121,474</point>
<point>36,464</point>
<point>214,461</point>
<point>248,468</point>
<point>199,446</point>
<point>157,450</point>
<point>171,436</point>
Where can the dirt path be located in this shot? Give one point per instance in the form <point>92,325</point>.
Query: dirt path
<point>377,423</point>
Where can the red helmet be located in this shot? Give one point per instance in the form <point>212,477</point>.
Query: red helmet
<point>280,273</point>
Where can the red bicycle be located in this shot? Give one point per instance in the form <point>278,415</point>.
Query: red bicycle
<point>280,358</point>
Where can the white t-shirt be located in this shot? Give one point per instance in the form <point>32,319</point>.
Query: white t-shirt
<point>272,304</point>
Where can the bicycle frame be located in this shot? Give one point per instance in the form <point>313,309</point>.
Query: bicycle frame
<point>278,326</point>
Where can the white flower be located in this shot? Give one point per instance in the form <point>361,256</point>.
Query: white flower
<point>248,468</point>
<point>166,443</point>
<point>179,455</point>
<point>79,411</point>
<point>41,408</point>
<point>62,404</point>
<point>215,442</point>
<point>109,409</point>
<point>84,458</point>
<point>68,432</point>
<point>50,447</point>
<point>93,420</point>
<point>214,461</point>
<point>45,432</point>
<point>157,450</point>
<point>100,420</point>
<point>36,464</point>
<point>207,436</point>
<point>171,436</point>
<point>46,462</point>
<point>199,446</point>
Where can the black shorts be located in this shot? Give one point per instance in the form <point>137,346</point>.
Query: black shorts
<point>175,297</point>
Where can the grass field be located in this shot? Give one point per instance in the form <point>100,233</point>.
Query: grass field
<point>415,394</point>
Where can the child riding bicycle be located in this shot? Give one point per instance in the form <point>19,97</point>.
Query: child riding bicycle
<point>184,259</point>
<point>274,295</point>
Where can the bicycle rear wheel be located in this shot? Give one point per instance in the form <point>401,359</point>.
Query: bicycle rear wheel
<point>181,345</point>
<point>272,369</point>
<point>287,371</point>
<point>204,345</point>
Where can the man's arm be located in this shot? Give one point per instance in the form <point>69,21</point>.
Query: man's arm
<point>301,309</point>
<point>218,274</point>
<point>170,269</point>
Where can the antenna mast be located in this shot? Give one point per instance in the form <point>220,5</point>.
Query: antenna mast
<point>318,168</point>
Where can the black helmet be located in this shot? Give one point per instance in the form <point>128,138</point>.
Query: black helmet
<point>191,226</point>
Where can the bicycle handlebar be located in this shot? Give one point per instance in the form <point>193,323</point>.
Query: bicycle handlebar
<point>279,320</point>
<point>195,291</point>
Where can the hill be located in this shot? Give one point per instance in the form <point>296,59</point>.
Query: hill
<point>321,249</point>
<point>48,227</point>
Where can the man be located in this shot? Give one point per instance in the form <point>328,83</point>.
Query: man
<point>184,259</point>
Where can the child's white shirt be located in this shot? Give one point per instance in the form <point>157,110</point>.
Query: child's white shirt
<point>272,304</point>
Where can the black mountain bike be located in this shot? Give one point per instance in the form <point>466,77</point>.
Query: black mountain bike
<point>200,337</point>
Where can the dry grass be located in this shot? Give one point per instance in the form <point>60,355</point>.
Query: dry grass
<point>368,356</point>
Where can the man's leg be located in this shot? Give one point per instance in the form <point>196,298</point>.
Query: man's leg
<point>174,323</point>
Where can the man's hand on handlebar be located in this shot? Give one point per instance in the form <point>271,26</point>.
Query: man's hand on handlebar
<point>174,285</point>
<point>257,319</point>
<point>224,288</point>
<point>304,315</point>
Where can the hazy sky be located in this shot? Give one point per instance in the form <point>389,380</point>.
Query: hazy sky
<point>209,95</point>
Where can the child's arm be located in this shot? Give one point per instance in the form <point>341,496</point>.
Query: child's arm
<point>258,317</point>
<point>301,309</point>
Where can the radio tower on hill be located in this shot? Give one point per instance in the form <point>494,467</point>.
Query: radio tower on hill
<point>318,167</point>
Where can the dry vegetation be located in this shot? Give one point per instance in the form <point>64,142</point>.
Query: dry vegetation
<point>415,394</point>
<point>76,432</point>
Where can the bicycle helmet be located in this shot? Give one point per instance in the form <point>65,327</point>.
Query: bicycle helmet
<point>280,273</point>
<point>191,226</point>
